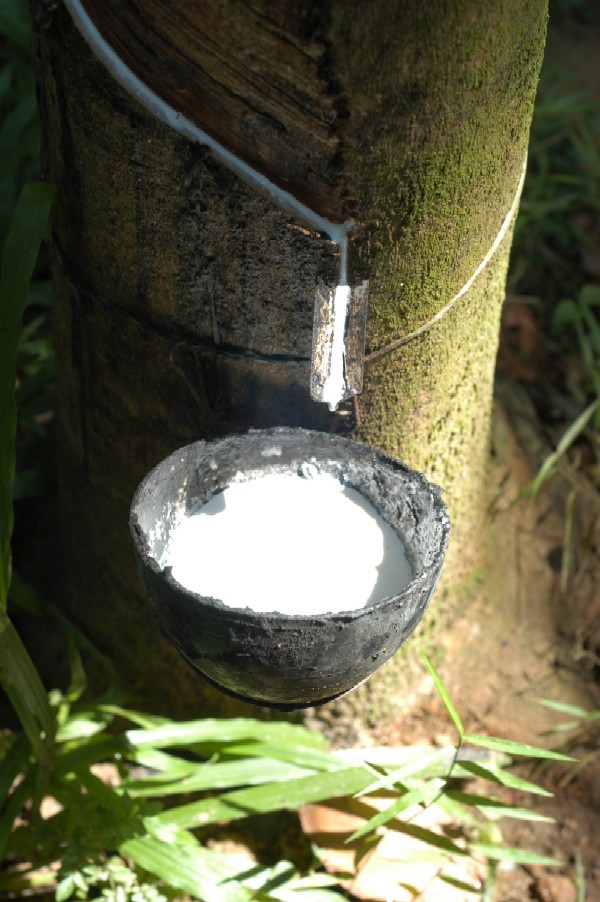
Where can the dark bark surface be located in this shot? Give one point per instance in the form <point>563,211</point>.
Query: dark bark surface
<point>184,298</point>
<point>257,76</point>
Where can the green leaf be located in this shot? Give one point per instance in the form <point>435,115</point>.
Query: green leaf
<point>574,430</point>
<point>140,718</point>
<point>80,727</point>
<point>26,597</point>
<point>198,732</point>
<point>21,682</point>
<point>78,683</point>
<point>460,884</point>
<point>13,807</point>
<point>105,793</point>
<point>565,708</point>
<point>443,692</point>
<point>512,855</point>
<point>494,809</point>
<point>430,838</point>
<point>65,888</point>
<point>14,762</point>
<point>514,748</point>
<point>497,775</point>
<point>166,766</point>
<point>459,813</point>
<point>280,883</point>
<point>298,755</point>
<point>421,795</point>
<point>422,765</point>
<point>290,795</point>
<point>88,750</point>
<point>387,757</point>
<point>410,888</point>
<point>246,772</point>
<point>589,295</point>
<point>562,728</point>
<point>21,249</point>
<point>203,874</point>
<point>14,25</point>
<point>565,313</point>
<point>21,884</point>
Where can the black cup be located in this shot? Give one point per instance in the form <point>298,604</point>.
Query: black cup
<point>281,660</point>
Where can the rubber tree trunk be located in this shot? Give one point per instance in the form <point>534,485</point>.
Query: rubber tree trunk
<point>184,297</point>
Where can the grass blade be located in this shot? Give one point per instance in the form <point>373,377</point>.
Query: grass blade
<point>20,253</point>
<point>25,596</point>
<point>250,772</point>
<point>12,808</point>
<point>162,765</point>
<point>12,763</point>
<point>289,794</point>
<point>493,809</point>
<point>580,878</point>
<point>21,682</point>
<point>423,834</point>
<point>565,708</point>
<point>87,751</point>
<point>298,755</point>
<point>445,696</point>
<point>429,764</point>
<point>203,874</point>
<point>421,795</point>
<point>513,856</point>
<point>574,430</point>
<point>460,814</point>
<point>460,884</point>
<point>497,775</point>
<point>80,726</point>
<point>221,732</point>
<point>514,748</point>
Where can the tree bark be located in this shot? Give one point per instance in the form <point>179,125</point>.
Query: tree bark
<point>184,298</point>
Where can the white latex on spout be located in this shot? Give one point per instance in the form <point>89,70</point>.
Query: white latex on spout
<point>334,384</point>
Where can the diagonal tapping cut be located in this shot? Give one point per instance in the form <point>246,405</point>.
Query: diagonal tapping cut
<point>329,385</point>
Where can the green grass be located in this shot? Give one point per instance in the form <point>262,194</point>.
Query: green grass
<point>19,258</point>
<point>556,232</point>
<point>19,130</point>
<point>19,149</point>
<point>562,190</point>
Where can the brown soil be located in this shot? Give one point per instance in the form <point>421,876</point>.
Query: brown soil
<point>543,645</point>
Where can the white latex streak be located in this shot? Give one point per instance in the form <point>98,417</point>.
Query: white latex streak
<point>334,384</point>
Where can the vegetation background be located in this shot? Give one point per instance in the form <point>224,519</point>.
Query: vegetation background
<point>99,799</point>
